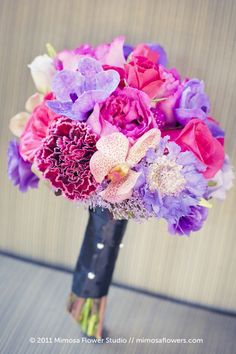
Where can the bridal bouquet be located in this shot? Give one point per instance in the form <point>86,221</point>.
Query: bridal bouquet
<point>113,128</point>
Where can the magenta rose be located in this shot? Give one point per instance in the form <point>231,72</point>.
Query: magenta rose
<point>64,156</point>
<point>129,111</point>
<point>197,137</point>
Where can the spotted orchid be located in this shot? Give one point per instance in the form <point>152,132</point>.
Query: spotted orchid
<point>115,160</point>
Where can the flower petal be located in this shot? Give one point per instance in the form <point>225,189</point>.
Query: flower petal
<point>100,126</point>
<point>112,54</point>
<point>62,108</point>
<point>89,67</point>
<point>107,81</point>
<point>114,146</point>
<point>117,192</point>
<point>67,82</point>
<point>18,122</point>
<point>100,166</point>
<point>87,101</point>
<point>33,101</point>
<point>148,140</point>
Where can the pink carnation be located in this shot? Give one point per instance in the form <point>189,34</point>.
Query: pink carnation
<point>36,129</point>
<point>64,158</point>
<point>129,111</point>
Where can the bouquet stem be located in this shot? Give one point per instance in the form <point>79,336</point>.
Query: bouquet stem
<point>94,270</point>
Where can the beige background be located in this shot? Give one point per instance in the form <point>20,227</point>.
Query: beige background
<point>199,37</point>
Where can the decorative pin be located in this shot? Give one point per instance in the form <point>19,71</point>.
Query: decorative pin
<point>100,246</point>
<point>91,275</point>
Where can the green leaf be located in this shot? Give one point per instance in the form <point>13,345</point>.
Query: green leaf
<point>51,51</point>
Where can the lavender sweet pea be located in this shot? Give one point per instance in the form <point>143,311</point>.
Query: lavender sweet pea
<point>193,102</point>
<point>19,170</point>
<point>78,92</point>
<point>191,222</point>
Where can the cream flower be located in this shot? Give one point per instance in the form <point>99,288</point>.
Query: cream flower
<point>42,71</point>
<point>18,122</point>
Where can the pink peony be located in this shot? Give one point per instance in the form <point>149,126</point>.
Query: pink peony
<point>128,111</point>
<point>36,129</point>
<point>64,158</point>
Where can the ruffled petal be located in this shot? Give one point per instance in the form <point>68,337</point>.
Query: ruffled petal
<point>117,192</point>
<point>149,140</point>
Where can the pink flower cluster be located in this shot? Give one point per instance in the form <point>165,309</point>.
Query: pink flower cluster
<point>109,109</point>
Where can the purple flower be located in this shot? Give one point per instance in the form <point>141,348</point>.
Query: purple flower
<point>222,181</point>
<point>162,60</point>
<point>78,92</point>
<point>19,170</point>
<point>193,221</point>
<point>193,102</point>
<point>171,181</point>
<point>127,49</point>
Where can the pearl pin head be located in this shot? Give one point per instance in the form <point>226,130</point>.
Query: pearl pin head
<point>100,246</point>
<point>91,275</point>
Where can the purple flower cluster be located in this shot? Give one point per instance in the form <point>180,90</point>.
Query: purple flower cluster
<point>19,170</point>
<point>171,185</point>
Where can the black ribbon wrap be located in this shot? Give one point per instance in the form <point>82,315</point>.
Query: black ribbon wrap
<point>98,254</point>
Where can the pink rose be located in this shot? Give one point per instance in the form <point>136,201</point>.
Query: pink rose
<point>196,137</point>
<point>128,110</point>
<point>36,129</point>
<point>143,74</point>
<point>144,50</point>
<point>157,82</point>
<point>153,79</point>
